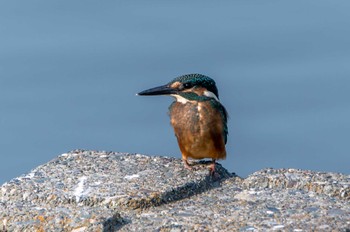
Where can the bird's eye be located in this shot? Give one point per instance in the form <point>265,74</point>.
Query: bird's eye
<point>187,85</point>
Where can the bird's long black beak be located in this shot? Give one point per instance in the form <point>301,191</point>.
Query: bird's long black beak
<point>160,90</point>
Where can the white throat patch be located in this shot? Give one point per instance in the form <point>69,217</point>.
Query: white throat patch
<point>180,98</point>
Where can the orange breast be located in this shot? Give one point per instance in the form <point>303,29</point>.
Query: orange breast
<point>199,130</point>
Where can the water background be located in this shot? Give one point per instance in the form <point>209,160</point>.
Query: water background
<point>69,71</point>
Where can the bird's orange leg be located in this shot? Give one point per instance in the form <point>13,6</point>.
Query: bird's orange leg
<point>186,164</point>
<point>212,168</point>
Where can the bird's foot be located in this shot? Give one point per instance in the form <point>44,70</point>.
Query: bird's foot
<point>187,165</point>
<point>212,172</point>
<point>212,168</point>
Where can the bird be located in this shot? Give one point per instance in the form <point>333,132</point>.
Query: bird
<point>197,116</point>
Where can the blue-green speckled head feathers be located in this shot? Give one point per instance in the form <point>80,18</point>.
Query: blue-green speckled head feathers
<point>191,80</point>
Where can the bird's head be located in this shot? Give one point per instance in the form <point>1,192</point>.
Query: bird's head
<point>187,87</point>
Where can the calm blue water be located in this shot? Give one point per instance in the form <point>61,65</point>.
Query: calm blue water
<point>69,71</point>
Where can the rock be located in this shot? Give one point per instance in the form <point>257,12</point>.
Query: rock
<point>106,191</point>
<point>331,184</point>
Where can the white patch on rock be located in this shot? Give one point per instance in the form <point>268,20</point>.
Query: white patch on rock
<point>269,212</point>
<point>129,177</point>
<point>30,175</point>
<point>80,229</point>
<point>246,195</point>
<point>278,227</point>
<point>79,190</point>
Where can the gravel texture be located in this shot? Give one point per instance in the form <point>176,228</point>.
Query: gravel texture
<point>107,191</point>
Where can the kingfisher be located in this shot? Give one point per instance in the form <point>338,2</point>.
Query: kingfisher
<point>197,116</point>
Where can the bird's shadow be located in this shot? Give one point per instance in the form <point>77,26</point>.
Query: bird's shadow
<point>187,190</point>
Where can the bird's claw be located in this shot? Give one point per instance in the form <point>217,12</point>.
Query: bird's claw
<point>187,165</point>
